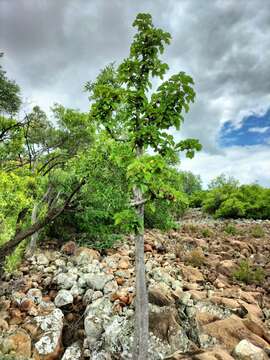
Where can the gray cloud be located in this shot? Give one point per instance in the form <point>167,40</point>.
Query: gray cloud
<point>53,47</point>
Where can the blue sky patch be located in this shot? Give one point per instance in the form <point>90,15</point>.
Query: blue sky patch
<point>254,130</point>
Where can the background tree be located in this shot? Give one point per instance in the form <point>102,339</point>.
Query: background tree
<point>123,105</point>
<point>42,151</point>
<point>10,100</point>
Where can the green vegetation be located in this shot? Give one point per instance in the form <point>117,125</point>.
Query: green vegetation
<point>226,198</point>
<point>206,232</point>
<point>230,229</point>
<point>257,231</point>
<point>249,274</point>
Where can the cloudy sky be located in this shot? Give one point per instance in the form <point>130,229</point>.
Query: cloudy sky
<point>52,47</point>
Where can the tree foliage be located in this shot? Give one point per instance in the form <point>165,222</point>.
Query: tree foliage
<point>10,100</point>
<point>228,199</point>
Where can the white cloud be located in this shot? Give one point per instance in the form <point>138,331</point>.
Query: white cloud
<point>52,48</point>
<point>260,130</point>
<point>248,164</point>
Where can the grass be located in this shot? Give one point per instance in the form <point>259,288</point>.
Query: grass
<point>206,233</point>
<point>196,257</point>
<point>249,274</point>
<point>14,259</point>
<point>230,229</point>
<point>257,231</point>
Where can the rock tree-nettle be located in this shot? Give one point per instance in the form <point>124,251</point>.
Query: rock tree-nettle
<point>123,105</point>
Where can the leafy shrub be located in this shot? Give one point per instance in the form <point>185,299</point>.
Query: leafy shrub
<point>197,198</point>
<point>248,274</point>
<point>226,199</point>
<point>257,231</point>
<point>161,218</point>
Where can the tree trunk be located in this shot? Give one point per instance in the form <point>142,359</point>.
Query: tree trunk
<point>33,242</point>
<point>140,346</point>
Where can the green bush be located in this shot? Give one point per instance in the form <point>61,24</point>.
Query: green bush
<point>197,198</point>
<point>248,274</point>
<point>161,218</point>
<point>227,199</point>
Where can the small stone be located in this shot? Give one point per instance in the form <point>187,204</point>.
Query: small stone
<point>42,260</point>
<point>35,295</point>
<point>245,350</point>
<point>87,298</point>
<point>64,297</point>
<point>69,248</point>
<point>124,263</point>
<point>49,344</point>
<point>66,280</point>
<point>97,295</point>
<point>97,282</point>
<point>148,248</point>
<point>73,352</point>
<point>110,287</point>
<point>84,256</point>
<point>93,328</point>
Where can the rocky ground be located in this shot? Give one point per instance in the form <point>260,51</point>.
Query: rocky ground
<point>77,303</point>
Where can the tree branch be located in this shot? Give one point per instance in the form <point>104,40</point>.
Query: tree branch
<point>20,235</point>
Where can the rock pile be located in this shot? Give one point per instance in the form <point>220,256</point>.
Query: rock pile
<point>77,304</point>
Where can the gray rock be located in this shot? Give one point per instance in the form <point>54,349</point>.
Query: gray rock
<point>73,352</point>
<point>110,287</point>
<point>93,326</point>
<point>245,350</point>
<point>64,297</point>
<point>76,290</point>
<point>88,296</point>
<point>60,262</point>
<point>160,274</point>
<point>123,273</point>
<point>97,295</point>
<point>42,260</point>
<point>101,307</point>
<point>51,325</point>
<point>98,281</point>
<point>35,295</point>
<point>65,280</point>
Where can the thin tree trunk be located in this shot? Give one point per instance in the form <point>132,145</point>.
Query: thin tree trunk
<point>140,346</point>
<point>33,241</point>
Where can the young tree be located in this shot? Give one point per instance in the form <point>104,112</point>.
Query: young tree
<point>123,104</point>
